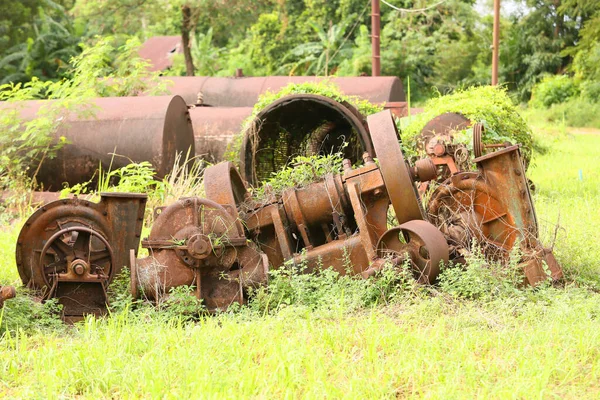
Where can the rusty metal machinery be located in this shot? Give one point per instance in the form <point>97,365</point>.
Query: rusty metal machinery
<point>341,221</point>
<point>244,92</point>
<point>494,207</point>
<point>114,132</point>
<point>201,243</point>
<point>438,143</point>
<point>224,244</point>
<point>71,249</point>
<point>6,293</point>
<point>301,124</point>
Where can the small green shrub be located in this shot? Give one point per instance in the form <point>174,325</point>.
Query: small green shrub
<point>553,89</point>
<point>25,314</point>
<point>577,112</point>
<point>326,290</point>
<point>301,171</point>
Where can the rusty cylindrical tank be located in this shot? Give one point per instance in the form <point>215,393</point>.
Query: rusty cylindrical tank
<point>244,92</point>
<point>215,128</point>
<point>113,132</point>
<point>301,124</point>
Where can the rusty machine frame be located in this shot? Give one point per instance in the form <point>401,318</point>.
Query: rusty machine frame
<point>224,244</point>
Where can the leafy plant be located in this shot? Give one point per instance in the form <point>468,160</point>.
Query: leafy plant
<point>553,89</point>
<point>302,170</point>
<point>316,57</point>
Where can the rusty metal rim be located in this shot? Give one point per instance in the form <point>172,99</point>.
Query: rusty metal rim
<point>442,125</point>
<point>348,111</point>
<point>396,176</point>
<point>497,153</point>
<point>80,229</point>
<point>478,131</point>
<point>30,221</point>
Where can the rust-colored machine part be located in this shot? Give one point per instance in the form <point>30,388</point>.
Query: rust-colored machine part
<point>301,124</point>
<point>493,206</point>
<point>113,132</point>
<point>71,249</point>
<point>338,221</point>
<point>200,243</point>
<point>437,142</point>
<point>6,293</point>
<point>245,91</point>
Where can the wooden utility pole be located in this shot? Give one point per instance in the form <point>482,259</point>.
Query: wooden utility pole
<point>496,42</point>
<point>186,27</point>
<point>375,33</point>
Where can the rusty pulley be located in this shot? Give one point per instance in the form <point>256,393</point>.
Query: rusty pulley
<point>71,249</point>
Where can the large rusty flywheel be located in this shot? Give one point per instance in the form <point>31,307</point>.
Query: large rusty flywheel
<point>394,169</point>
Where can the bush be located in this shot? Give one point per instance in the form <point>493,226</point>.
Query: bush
<point>553,89</point>
<point>590,90</point>
<point>489,105</point>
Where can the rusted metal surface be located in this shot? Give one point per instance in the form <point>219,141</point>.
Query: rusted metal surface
<point>225,243</point>
<point>215,129</point>
<point>6,293</point>
<point>244,92</point>
<point>197,242</point>
<point>113,132</point>
<point>419,242</point>
<point>71,249</point>
<point>495,208</point>
<point>301,124</point>
<point>394,169</point>
<point>338,221</point>
<point>159,51</point>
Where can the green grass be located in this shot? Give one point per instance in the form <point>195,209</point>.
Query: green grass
<point>530,344</point>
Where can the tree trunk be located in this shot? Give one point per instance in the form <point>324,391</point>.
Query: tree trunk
<point>186,27</point>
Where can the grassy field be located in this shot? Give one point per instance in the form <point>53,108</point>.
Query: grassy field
<point>425,344</point>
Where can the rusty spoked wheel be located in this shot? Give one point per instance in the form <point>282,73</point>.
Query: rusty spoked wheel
<point>78,250</point>
<point>396,173</point>
<point>419,241</point>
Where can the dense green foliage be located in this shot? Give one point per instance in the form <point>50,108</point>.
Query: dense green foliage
<point>444,46</point>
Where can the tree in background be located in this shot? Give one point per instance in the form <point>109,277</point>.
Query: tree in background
<point>46,44</point>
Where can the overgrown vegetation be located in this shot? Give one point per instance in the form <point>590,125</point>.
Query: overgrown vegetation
<point>26,143</point>
<point>485,104</point>
<point>298,335</point>
<point>324,88</point>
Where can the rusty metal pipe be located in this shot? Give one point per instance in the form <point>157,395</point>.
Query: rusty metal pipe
<point>244,92</point>
<point>215,128</point>
<point>114,132</point>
